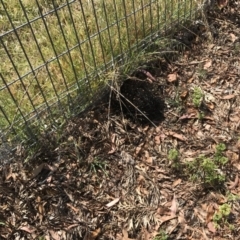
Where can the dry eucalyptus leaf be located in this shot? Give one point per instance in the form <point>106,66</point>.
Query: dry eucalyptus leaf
<point>207,65</point>
<point>172,77</point>
<point>112,203</point>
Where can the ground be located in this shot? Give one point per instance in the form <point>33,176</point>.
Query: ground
<point>159,160</point>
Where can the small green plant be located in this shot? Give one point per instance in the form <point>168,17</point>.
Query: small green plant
<point>232,197</point>
<point>205,169</point>
<point>98,165</point>
<point>197,96</point>
<point>209,169</point>
<point>210,174</point>
<point>219,158</point>
<point>173,155</point>
<point>222,215</point>
<point>161,236</point>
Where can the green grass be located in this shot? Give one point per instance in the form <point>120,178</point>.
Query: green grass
<point>65,76</point>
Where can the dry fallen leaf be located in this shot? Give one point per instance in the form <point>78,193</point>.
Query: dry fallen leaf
<point>157,140</point>
<point>139,148</point>
<point>184,94</point>
<point>174,206</point>
<point>207,65</point>
<point>188,116</point>
<point>177,182</point>
<point>211,227</point>
<point>172,77</point>
<point>54,235</point>
<point>73,208</point>
<point>227,97</point>
<point>113,202</point>
<point>28,229</point>
<point>233,37</point>
<point>176,135</point>
<point>210,213</point>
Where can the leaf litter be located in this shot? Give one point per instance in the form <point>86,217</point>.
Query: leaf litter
<point>110,176</point>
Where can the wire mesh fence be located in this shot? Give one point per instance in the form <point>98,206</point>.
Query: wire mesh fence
<point>56,51</point>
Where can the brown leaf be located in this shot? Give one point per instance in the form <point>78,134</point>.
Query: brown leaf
<point>73,208</point>
<point>113,150</point>
<point>28,229</point>
<point>210,213</point>
<point>227,97</point>
<point>157,140</point>
<point>167,218</point>
<point>71,226</point>
<point>177,182</point>
<point>188,116</point>
<point>54,235</point>
<point>181,217</point>
<point>174,206</point>
<point>207,65</point>
<point>178,136</point>
<point>211,227</point>
<point>172,77</point>
<point>148,158</point>
<point>184,94</point>
<point>139,148</point>
<point>162,210</point>
<point>96,233</point>
<point>233,37</point>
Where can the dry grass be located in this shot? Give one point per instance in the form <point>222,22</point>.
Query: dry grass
<point>66,48</point>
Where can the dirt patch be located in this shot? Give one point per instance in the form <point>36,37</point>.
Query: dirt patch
<point>118,176</point>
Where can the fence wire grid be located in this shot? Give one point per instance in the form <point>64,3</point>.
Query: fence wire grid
<point>56,51</point>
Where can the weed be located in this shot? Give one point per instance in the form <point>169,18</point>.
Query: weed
<point>98,165</point>
<point>209,169</point>
<point>219,158</point>
<point>173,155</point>
<point>210,174</point>
<point>197,96</point>
<point>161,236</point>
<point>222,215</point>
<point>232,197</point>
